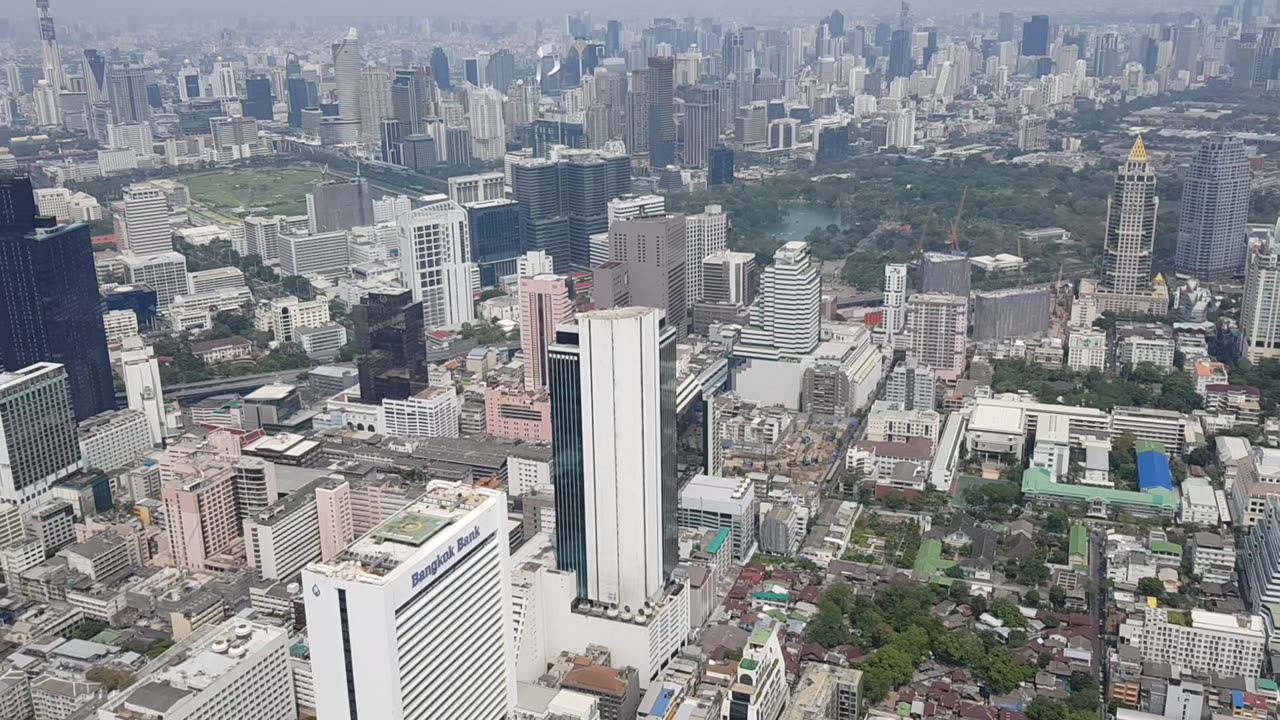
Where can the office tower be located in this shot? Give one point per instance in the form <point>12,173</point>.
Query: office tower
<point>435,263</point>
<point>53,71</point>
<point>127,92</point>
<point>46,101</point>
<point>901,130</point>
<point>1008,26</point>
<point>375,101</point>
<point>418,152</point>
<point>701,127</point>
<point>1106,55</point>
<point>545,303</point>
<point>901,62</point>
<point>630,207</point>
<point>500,70</point>
<point>145,221</point>
<point>1035,36</point>
<point>348,67</point>
<point>944,273</point>
<point>481,187</point>
<point>258,100</point>
<point>440,69</point>
<point>223,80</point>
<point>38,442</point>
<point>751,125</point>
<point>412,98</point>
<point>420,613</point>
<point>1186,49</point>
<point>165,273</point>
<point>189,82</point>
<point>938,325</point>
<point>1131,225</point>
<point>613,439</point>
<point>1260,310</point>
<point>654,251</point>
<point>706,233</point>
<point>662,120</point>
<point>588,180</point>
<point>388,326</point>
<point>535,184</point>
<point>50,310</point>
<point>1261,562</point>
<point>1214,210</point>
<point>95,77</point>
<point>729,277</point>
<point>471,71</point>
<point>895,299</point>
<point>494,226</point>
<point>340,205</point>
<point>787,313</point>
<point>613,38</point>
<point>458,145</point>
<point>389,142</point>
<point>142,385</point>
<point>488,136</point>
<point>720,166</point>
<point>635,132</point>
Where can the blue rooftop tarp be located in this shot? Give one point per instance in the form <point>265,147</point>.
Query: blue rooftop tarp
<point>1153,471</point>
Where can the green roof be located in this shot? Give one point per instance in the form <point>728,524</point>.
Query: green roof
<point>770,596</point>
<point>747,664</point>
<point>904,709</point>
<point>1038,483</point>
<point>1079,541</point>
<point>929,557</point>
<point>760,635</point>
<point>713,547</point>
<point>1166,548</point>
<point>1268,684</point>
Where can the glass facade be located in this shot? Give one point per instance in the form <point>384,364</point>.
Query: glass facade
<point>495,239</point>
<point>567,469</point>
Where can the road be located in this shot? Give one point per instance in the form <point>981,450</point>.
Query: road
<point>195,391</point>
<point>1098,606</point>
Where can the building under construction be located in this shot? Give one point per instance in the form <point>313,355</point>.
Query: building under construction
<point>944,273</point>
<point>1010,313</point>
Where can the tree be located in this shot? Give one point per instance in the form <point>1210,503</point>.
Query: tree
<point>297,285</point>
<point>829,628</point>
<point>1042,708</point>
<point>1001,672</point>
<point>958,592</point>
<point>1057,597</point>
<point>955,571</point>
<point>1031,597</point>
<point>1081,681</point>
<point>1151,587</point>
<point>112,677</point>
<point>1057,522</point>
<point>491,293</point>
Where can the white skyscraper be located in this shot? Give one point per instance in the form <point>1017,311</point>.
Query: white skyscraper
<point>142,385</point>
<point>224,79</point>
<point>53,70</point>
<point>417,614</point>
<point>1260,311</point>
<point>46,98</point>
<point>347,67</point>
<point>38,443</point>
<point>630,207</point>
<point>612,380</point>
<point>705,234</point>
<point>895,302</point>
<point>901,130</point>
<point>189,82</point>
<point>787,311</point>
<point>488,135</point>
<point>435,262</point>
<point>375,101</point>
<point>146,221</point>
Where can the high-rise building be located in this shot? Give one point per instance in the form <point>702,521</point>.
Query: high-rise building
<point>142,385</point>
<point>189,82</point>
<point>95,77</point>
<point>127,91</point>
<point>145,221</point>
<point>1036,36</point>
<point>435,263</point>
<point>389,326</point>
<point>787,313</point>
<point>494,227</point>
<point>53,71</point>
<point>654,251</point>
<point>50,309</point>
<point>901,62</point>
<point>223,80</point>
<point>613,416</point>
<point>706,233</point>
<point>545,303</point>
<point>563,203</point>
<point>258,103</point>
<point>662,120</point>
<point>1260,311</point>
<point>340,205</point>
<point>420,612</point>
<point>938,325</point>
<point>535,184</point>
<point>944,273</point>
<point>729,277</point>
<point>412,98</point>
<point>375,101</point>
<point>38,443</point>
<point>701,126</point>
<point>720,166</point>
<point>1214,209</point>
<point>488,136</point>
<point>1131,225</point>
<point>348,67</point>
<point>440,68</point>
<point>895,302</point>
<point>900,132</point>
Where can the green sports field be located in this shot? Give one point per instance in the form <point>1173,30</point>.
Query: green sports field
<point>280,190</point>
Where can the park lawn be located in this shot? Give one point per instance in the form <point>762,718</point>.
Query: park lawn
<point>282,191</point>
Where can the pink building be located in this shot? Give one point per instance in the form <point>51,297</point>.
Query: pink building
<point>544,303</point>
<point>510,412</point>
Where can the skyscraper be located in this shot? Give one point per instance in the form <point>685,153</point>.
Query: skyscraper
<point>375,101</point>
<point>50,310</point>
<point>347,69</point>
<point>901,62</point>
<point>1035,36</point>
<point>1131,225</point>
<point>895,300</point>
<point>1260,307</point>
<point>258,100</point>
<point>145,221</point>
<point>128,93</point>
<point>1214,210</point>
<point>435,263</point>
<point>340,205</point>
<point>142,385</point>
<point>38,443</point>
<point>706,233</point>
<point>500,70</point>
<point>729,277</point>
<point>654,249</point>
<point>440,68</point>
<point>494,227</point>
<point>613,400</point>
<point>488,136</point>
<point>388,326</point>
<point>417,613</point>
<point>662,120</point>
<point>545,303</point>
<point>787,312</point>
<point>53,71</point>
<point>95,77</point>
<point>701,127</point>
<point>938,325</point>
<point>412,98</point>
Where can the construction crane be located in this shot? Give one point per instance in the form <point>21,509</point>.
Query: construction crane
<point>954,238</point>
<point>924,230</point>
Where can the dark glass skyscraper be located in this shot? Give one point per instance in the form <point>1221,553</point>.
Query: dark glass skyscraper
<point>720,166</point>
<point>662,112</point>
<point>389,329</point>
<point>1035,36</point>
<point>900,60</point>
<point>440,68</point>
<point>1214,210</point>
<point>258,99</point>
<point>50,309</point>
<point>495,238</point>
